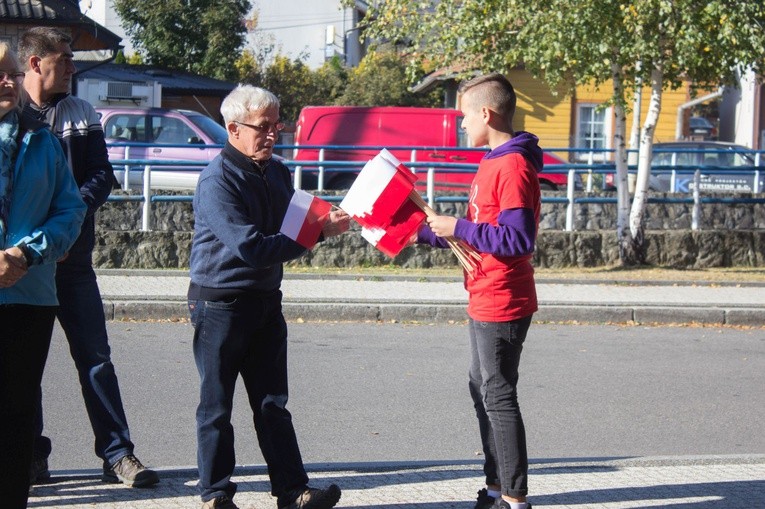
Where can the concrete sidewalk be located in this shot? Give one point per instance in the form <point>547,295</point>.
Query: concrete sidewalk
<point>711,482</point>
<point>161,294</point>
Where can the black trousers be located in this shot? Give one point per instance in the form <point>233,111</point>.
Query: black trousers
<point>25,334</point>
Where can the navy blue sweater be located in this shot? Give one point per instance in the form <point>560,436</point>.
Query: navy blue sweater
<point>238,211</point>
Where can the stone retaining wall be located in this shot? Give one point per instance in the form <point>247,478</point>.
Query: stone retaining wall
<point>731,235</point>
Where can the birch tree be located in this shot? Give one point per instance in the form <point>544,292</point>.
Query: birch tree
<point>605,43</point>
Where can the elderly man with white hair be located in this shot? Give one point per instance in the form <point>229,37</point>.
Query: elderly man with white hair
<point>235,304</point>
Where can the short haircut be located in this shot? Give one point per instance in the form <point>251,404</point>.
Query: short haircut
<point>244,100</point>
<point>41,42</point>
<point>493,91</point>
<point>7,53</point>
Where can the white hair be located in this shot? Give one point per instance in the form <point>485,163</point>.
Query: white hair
<point>244,100</point>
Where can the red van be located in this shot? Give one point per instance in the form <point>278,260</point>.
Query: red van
<point>435,132</point>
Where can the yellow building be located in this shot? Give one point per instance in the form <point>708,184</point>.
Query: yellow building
<point>575,120</point>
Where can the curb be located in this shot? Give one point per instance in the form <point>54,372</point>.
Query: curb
<point>176,310</point>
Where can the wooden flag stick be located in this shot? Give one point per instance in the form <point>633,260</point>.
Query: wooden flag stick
<point>465,253</point>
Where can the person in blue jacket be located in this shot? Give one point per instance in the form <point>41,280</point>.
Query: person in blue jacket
<point>41,212</point>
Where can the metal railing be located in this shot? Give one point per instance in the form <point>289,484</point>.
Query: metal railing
<point>573,171</point>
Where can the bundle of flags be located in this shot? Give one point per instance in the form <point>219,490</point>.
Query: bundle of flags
<point>384,202</point>
<point>379,201</point>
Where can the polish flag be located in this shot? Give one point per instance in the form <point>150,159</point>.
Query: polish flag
<point>379,201</point>
<point>380,189</point>
<point>392,239</point>
<point>305,218</point>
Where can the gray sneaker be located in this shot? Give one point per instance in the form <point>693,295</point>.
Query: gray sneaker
<point>38,471</point>
<point>312,498</point>
<point>221,502</point>
<point>130,472</point>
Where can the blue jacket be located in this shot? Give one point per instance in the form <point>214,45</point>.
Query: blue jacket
<point>46,213</point>
<point>238,211</point>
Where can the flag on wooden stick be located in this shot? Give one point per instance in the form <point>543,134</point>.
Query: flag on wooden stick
<point>385,203</point>
<point>305,218</point>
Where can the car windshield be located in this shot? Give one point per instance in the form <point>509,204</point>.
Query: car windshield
<point>700,122</point>
<point>707,155</point>
<point>211,128</point>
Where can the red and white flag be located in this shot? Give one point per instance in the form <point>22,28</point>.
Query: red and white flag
<point>381,188</point>
<point>305,218</point>
<point>379,201</point>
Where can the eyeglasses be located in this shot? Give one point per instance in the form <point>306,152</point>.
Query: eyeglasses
<point>263,128</point>
<point>14,77</point>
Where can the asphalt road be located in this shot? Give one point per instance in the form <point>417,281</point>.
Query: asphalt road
<point>368,392</point>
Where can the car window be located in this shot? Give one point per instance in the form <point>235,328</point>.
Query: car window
<point>738,159</point>
<point>700,122</point>
<point>171,130</point>
<point>678,158</point>
<point>126,127</point>
<point>717,159</point>
<point>462,137</point>
<point>211,128</point>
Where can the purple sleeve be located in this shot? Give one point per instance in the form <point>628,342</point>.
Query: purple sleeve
<point>513,236</point>
<point>426,236</point>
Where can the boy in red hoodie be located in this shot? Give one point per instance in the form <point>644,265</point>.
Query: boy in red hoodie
<point>502,222</point>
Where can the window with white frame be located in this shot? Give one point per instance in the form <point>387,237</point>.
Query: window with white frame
<point>593,130</point>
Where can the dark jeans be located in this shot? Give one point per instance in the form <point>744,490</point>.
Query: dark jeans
<point>81,315</point>
<point>24,341</point>
<point>246,336</point>
<point>495,349</point>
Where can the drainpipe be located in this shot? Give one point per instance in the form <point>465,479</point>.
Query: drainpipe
<point>98,63</point>
<point>681,110</point>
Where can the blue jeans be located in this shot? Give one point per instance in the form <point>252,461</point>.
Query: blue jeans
<point>81,315</point>
<point>246,336</point>
<point>24,341</point>
<point>495,349</point>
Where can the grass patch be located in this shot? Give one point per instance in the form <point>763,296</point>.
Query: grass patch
<point>617,274</point>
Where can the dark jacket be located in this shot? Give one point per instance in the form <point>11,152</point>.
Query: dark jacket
<point>238,211</point>
<point>76,125</point>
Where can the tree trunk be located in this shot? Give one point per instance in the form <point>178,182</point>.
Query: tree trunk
<point>637,213</point>
<point>620,160</point>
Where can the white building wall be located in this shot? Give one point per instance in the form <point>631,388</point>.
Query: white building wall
<point>103,13</point>
<point>300,27</point>
<point>737,112</point>
<point>745,111</point>
<point>297,27</point>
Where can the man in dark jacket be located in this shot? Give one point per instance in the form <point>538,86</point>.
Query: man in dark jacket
<point>236,304</point>
<point>47,57</point>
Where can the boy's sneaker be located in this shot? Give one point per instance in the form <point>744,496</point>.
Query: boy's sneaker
<point>485,501</point>
<point>221,502</point>
<point>312,498</point>
<point>38,471</point>
<point>131,472</point>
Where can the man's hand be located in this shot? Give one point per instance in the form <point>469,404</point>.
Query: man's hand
<point>13,266</point>
<point>339,222</point>
<point>442,226</point>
